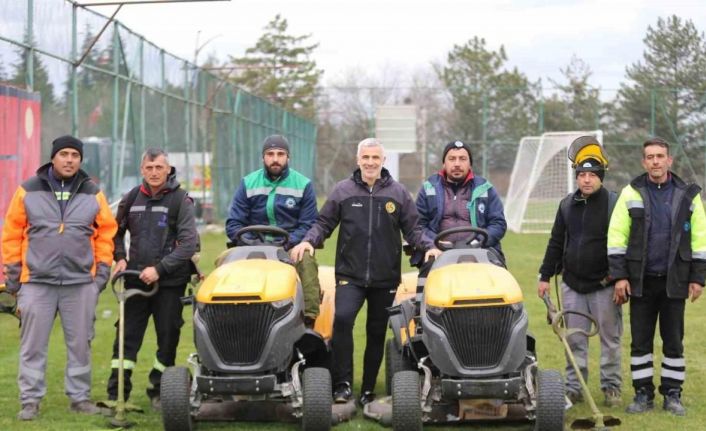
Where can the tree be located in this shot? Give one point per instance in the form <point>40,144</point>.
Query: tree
<point>669,78</point>
<point>492,104</point>
<point>575,105</point>
<point>279,68</point>
<point>346,116</point>
<point>41,82</point>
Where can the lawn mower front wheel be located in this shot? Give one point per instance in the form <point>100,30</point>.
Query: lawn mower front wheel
<point>175,394</point>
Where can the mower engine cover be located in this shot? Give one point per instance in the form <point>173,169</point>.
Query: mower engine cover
<point>474,321</point>
<point>247,316</point>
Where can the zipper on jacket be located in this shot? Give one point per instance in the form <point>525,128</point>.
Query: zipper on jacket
<point>370,235</point>
<point>62,225</point>
<point>583,230</point>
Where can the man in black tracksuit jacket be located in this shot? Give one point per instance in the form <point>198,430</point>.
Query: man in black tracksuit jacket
<point>163,238</point>
<point>371,209</point>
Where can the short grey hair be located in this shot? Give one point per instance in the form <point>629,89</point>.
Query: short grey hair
<point>369,142</point>
<point>152,153</point>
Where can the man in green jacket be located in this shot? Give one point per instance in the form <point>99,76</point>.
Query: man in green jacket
<point>277,195</point>
<point>657,255</point>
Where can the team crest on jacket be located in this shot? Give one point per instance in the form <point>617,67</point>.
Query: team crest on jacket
<point>390,207</point>
<point>481,207</point>
<point>290,202</point>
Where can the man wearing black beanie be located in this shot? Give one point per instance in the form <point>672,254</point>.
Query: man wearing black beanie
<point>457,197</point>
<point>59,258</point>
<point>577,249</point>
<point>66,141</point>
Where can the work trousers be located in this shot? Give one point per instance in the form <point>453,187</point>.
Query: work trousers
<point>39,304</point>
<point>349,300</point>
<point>644,313</point>
<point>609,317</point>
<point>165,307</point>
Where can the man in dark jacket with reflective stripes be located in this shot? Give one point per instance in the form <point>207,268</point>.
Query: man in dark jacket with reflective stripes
<point>371,209</point>
<point>163,238</point>
<point>657,254</point>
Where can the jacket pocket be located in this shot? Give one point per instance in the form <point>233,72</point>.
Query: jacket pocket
<point>637,234</point>
<point>683,265</point>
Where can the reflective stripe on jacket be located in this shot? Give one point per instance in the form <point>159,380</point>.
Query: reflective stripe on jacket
<point>289,202</point>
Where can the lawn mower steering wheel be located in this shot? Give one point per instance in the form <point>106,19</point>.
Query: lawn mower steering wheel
<point>279,237</point>
<point>480,234</point>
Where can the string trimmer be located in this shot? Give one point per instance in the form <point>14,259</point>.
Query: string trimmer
<point>119,420</point>
<point>599,421</point>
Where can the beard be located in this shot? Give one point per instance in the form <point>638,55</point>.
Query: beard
<point>275,169</point>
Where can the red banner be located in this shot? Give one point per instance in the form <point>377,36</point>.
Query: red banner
<point>20,145</point>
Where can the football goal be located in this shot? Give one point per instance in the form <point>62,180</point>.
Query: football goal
<point>541,177</point>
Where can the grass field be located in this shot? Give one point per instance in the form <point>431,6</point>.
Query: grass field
<point>524,253</point>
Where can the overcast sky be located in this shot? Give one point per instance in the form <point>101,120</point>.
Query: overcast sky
<point>540,36</point>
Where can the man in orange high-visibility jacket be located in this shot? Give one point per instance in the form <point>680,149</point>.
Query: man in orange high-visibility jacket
<point>57,249</point>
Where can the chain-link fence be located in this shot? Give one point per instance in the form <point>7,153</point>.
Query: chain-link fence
<point>121,94</point>
<point>499,118</point>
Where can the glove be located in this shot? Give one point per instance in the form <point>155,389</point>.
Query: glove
<point>102,276</point>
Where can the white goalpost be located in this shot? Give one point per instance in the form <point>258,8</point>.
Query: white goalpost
<point>541,177</point>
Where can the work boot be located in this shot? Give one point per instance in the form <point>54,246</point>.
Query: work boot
<point>672,403</point>
<point>343,393</point>
<point>642,402</point>
<point>29,412</point>
<point>613,397</point>
<point>84,407</point>
<point>365,398</point>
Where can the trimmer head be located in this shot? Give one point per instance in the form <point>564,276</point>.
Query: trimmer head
<point>593,424</point>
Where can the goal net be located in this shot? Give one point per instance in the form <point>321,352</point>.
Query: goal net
<point>541,177</point>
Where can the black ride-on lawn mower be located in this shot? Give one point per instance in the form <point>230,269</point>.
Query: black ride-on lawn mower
<point>461,350</point>
<point>255,359</point>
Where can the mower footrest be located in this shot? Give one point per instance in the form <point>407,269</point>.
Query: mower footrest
<point>236,385</point>
<point>506,389</point>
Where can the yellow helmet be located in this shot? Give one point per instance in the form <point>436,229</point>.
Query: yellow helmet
<point>586,147</point>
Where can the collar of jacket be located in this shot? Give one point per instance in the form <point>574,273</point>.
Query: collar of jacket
<point>640,181</point>
<point>79,178</point>
<point>578,198</point>
<point>384,179</point>
<point>171,185</point>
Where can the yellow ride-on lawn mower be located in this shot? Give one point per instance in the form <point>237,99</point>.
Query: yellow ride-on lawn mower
<point>254,353</point>
<point>461,350</point>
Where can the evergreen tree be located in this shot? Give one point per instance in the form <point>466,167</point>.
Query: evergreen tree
<point>575,105</point>
<point>670,76</point>
<point>41,83</point>
<point>488,97</point>
<point>279,68</point>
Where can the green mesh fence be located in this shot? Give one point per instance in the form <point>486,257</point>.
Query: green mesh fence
<point>129,94</point>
